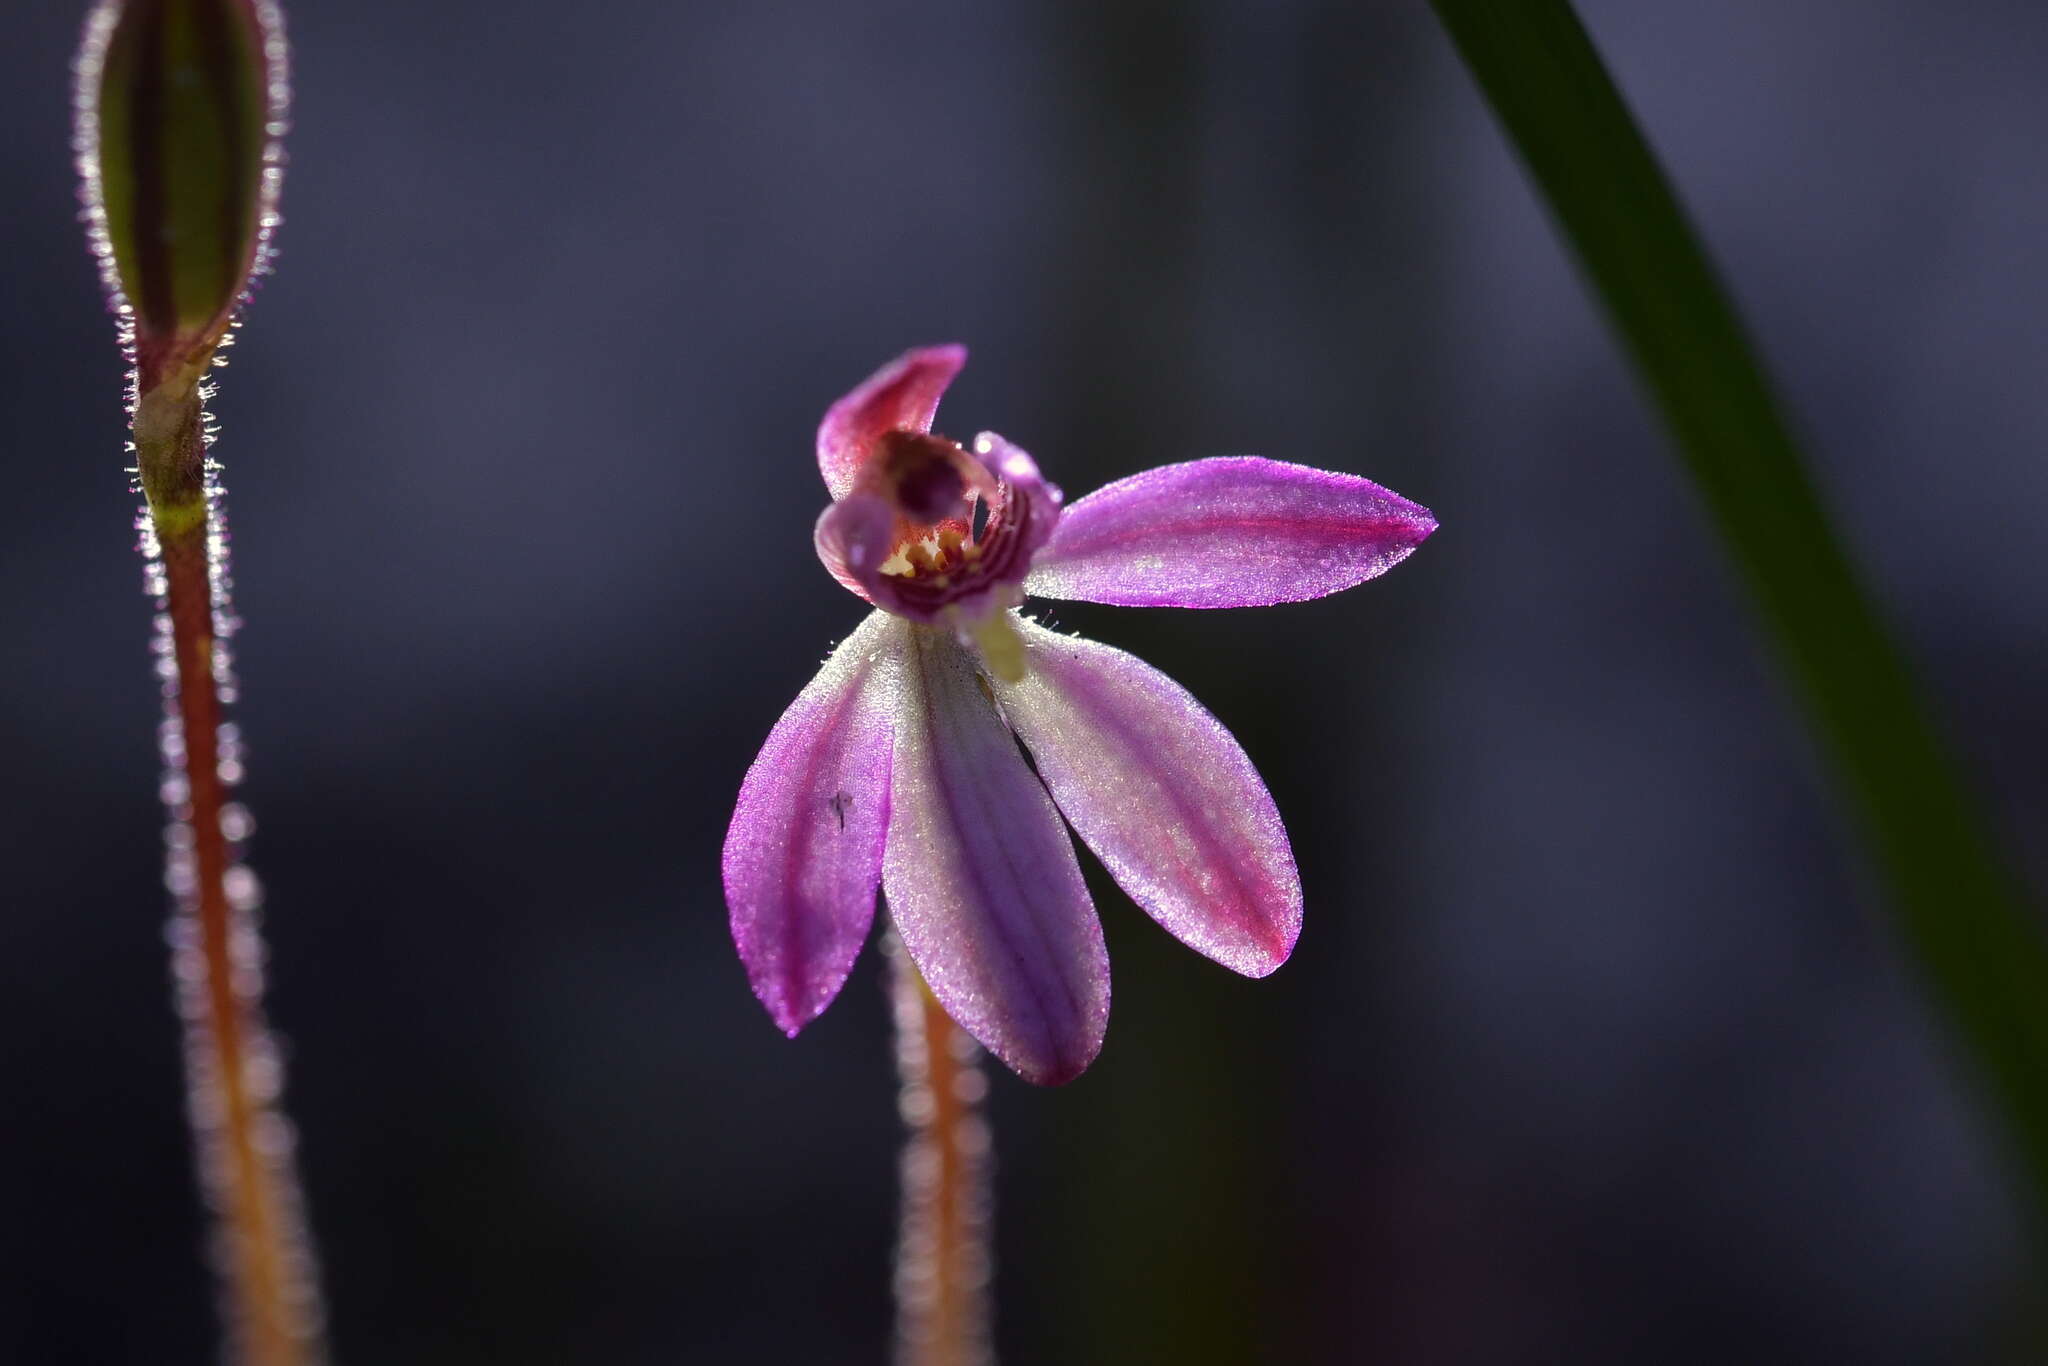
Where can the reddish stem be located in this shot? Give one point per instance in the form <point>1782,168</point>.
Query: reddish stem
<point>243,1140</point>
<point>942,1255</point>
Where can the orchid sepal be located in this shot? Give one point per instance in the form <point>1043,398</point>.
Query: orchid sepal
<point>803,855</point>
<point>1229,531</point>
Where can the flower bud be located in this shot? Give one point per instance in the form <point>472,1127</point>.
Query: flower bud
<point>180,105</point>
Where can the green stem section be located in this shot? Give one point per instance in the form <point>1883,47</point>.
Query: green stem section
<point>1979,950</point>
<point>232,1065</point>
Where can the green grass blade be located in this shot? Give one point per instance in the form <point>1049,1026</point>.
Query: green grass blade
<point>1975,941</point>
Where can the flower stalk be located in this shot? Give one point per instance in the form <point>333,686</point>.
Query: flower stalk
<point>180,108</point>
<point>943,1261</point>
<point>232,1068</point>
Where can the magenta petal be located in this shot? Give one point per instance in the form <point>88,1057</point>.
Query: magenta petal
<point>902,394</point>
<point>981,877</point>
<point>852,538</point>
<point>804,852</point>
<point>1236,531</point>
<point>1163,794</point>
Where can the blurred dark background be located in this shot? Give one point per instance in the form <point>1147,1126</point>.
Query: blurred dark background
<point>1594,1048</point>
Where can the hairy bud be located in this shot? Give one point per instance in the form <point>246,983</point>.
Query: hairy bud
<point>180,107</point>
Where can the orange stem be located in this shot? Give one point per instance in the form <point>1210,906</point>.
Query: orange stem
<point>943,1260</point>
<point>244,1143</point>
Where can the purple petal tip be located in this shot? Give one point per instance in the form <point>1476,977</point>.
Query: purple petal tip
<point>901,396</point>
<point>1164,795</point>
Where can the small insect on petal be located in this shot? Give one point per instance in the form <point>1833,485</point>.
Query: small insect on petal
<point>804,853</point>
<point>180,107</point>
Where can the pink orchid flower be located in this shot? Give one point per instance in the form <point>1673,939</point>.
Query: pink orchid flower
<point>948,743</point>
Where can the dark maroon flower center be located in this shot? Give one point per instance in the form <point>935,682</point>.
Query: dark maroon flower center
<point>925,476</point>
<point>943,500</point>
<point>937,532</point>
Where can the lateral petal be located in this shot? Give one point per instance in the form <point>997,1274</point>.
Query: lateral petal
<point>1163,794</point>
<point>902,394</point>
<point>982,880</point>
<point>852,539</point>
<point>803,855</point>
<point>1235,531</point>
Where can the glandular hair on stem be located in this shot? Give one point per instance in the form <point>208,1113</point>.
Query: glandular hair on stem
<point>943,1265</point>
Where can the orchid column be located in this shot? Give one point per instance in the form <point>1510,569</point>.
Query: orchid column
<point>180,107</point>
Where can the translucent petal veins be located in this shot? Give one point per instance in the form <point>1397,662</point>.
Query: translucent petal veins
<point>981,878</point>
<point>180,106</point>
<point>1235,531</point>
<point>804,853</point>
<point>1162,793</point>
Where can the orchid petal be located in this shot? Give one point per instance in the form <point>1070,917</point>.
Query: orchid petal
<point>904,394</point>
<point>982,880</point>
<point>804,853</point>
<point>1163,794</point>
<point>1235,531</point>
<point>852,539</point>
<point>1030,510</point>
